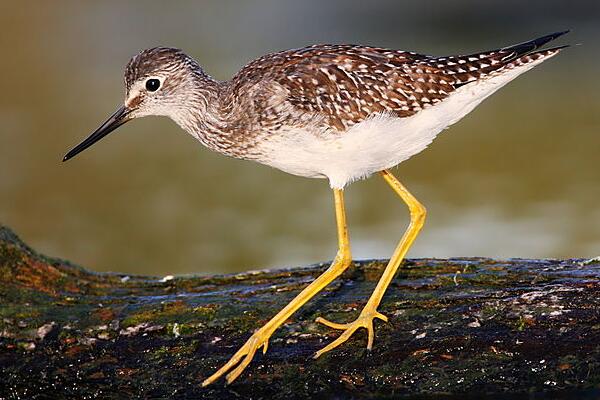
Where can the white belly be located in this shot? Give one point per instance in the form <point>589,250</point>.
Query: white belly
<point>380,142</point>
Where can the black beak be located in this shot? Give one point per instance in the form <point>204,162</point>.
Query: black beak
<point>113,122</point>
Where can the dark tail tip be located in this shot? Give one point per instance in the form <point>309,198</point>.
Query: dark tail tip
<point>532,45</point>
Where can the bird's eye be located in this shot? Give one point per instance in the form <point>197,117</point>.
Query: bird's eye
<point>152,84</point>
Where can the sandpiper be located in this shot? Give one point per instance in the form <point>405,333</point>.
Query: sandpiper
<point>339,112</point>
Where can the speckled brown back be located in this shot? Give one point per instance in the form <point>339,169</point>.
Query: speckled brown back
<point>347,83</point>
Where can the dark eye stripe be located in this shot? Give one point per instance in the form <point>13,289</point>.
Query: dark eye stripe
<point>152,84</point>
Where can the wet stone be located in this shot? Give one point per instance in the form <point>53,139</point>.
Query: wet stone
<point>462,326</point>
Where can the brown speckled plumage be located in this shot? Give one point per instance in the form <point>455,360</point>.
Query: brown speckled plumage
<point>297,110</point>
<point>336,86</point>
<point>348,83</point>
<point>340,112</point>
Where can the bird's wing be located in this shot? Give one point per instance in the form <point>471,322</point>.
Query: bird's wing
<point>346,84</point>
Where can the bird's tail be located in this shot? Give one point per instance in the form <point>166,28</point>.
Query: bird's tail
<point>517,51</point>
<point>471,67</point>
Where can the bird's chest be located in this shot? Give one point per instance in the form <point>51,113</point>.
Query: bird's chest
<point>367,147</point>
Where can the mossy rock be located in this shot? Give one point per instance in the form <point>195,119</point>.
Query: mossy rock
<point>457,327</point>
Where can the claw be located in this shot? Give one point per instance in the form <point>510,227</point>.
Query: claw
<point>245,354</point>
<point>370,336</point>
<point>242,366</point>
<point>364,320</point>
<point>343,337</point>
<point>382,317</point>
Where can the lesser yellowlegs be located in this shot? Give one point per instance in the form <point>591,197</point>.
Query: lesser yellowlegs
<point>340,112</point>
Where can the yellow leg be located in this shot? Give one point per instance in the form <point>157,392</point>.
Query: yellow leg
<point>261,336</point>
<point>369,312</point>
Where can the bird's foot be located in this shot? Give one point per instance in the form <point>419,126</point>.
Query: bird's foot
<point>244,354</point>
<point>364,320</point>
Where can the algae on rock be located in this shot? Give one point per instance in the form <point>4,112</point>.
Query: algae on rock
<point>457,326</point>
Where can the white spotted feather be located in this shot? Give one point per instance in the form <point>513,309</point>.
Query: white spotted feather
<point>381,141</point>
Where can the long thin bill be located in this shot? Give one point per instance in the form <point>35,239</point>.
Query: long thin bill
<point>112,123</point>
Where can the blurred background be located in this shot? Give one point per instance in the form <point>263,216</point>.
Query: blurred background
<point>518,177</point>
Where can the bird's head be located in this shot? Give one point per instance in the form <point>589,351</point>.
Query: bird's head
<point>158,81</point>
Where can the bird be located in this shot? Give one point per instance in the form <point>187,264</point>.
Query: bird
<point>332,111</point>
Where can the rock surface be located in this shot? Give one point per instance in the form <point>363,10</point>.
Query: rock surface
<point>458,326</point>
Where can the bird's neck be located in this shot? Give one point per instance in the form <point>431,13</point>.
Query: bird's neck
<point>210,112</point>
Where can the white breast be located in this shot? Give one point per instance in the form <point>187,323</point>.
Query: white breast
<point>380,142</point>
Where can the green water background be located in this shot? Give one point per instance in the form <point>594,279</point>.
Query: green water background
<point>519,177</point>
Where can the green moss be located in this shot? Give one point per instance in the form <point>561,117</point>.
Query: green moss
<point>429,344</point>
<point>176,329</point>
<point>168,312</point>
<point>207,312</point>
